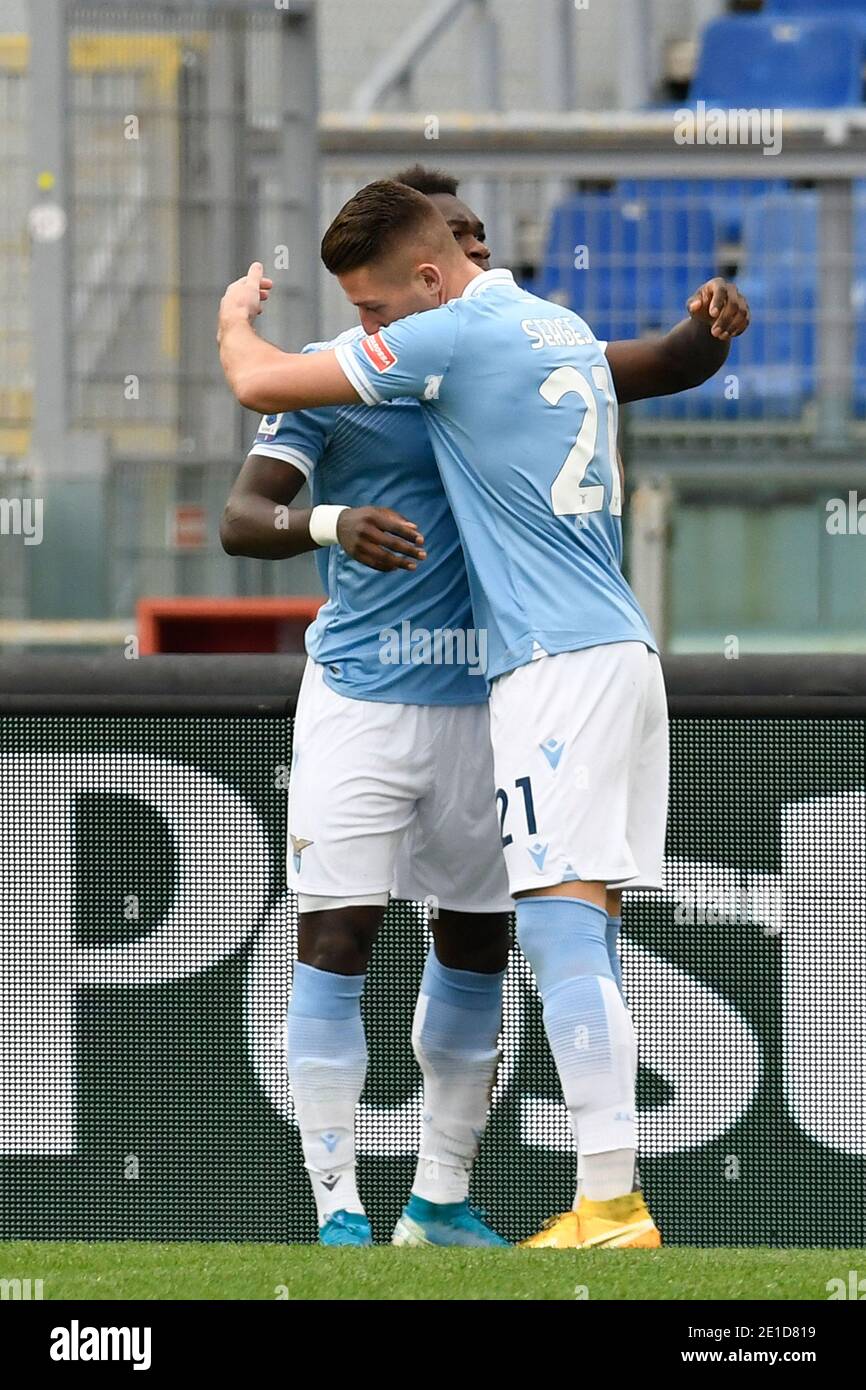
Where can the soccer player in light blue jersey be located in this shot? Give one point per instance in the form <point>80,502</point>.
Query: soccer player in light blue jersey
<point>520,400</point>
<point>390,784</point>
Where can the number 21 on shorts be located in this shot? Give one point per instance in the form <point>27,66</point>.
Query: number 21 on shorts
<point>523,784</point>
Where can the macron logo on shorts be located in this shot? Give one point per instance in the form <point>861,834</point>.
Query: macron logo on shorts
<point>378,352</point>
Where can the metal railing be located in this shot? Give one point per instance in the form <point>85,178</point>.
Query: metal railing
<point>164,142</point>
<point>749,687</point>
<point>218,167</point>
<point>650,217</point>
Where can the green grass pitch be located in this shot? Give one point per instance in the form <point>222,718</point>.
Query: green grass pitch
<point>140,1270</point>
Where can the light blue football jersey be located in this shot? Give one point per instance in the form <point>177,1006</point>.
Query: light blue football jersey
<point>522,412</point>
<point>405,636</point>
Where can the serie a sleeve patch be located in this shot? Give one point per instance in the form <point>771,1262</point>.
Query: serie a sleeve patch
<point>269,426</point>
<point>378,352</point>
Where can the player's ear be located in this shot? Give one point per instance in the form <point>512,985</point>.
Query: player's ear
<point>433,279</point>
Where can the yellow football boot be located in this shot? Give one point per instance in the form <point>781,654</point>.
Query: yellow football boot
<point>622,1223</point>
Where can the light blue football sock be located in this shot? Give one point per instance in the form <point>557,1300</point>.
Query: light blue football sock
<point>455,1035</point>
<point>590,1034</point>
<point>612,931</point>
<point>327,1059</point>
<point>612,934</point>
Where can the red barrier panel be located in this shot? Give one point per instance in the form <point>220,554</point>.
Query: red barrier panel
<point>224,624</point>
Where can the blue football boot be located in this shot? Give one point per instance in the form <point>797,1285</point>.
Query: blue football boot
<point>346,1228</point>
<point>442,1223</point>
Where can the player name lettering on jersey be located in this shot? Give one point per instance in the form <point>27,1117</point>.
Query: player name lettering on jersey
<point>525,442</point>
<point>554,333</point>
<point>378,352</point>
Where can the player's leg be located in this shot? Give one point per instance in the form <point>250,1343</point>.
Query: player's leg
<point>350,800</point>
<point>592,1041</point>
<point>647,822</point>
<point>613,908</point>
<point>327,1056</point>
<point>452,859</point>
<point>564,729</point>
<point>455,1036</point>
<point>474,941</point>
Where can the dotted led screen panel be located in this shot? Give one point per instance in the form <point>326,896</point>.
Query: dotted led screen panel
<point>146,939</point>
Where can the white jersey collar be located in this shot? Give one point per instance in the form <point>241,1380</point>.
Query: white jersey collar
<point>487,277</point>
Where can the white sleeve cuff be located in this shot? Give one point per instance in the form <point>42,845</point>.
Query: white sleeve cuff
<point>356,376</point>
<point>286,454</point>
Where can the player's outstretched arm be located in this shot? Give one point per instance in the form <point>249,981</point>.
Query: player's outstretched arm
<point>691,353</point>
<point>262,377</point>
<point>259,521</point>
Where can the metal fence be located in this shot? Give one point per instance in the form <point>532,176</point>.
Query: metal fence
<point>744,523</point>
<point>15,361</point>
<point>186,141</point>
<point>190,147</point>
<point>612,218</point>
<point>149,152</point>
<point>146,550</point>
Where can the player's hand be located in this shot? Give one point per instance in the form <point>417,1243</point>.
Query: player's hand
<point>380,538</point>
<point>245,298</point>
<point>720,304</point>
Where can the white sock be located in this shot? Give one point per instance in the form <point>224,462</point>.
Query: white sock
<point>334,1190</point>
<point>607,1175</point>
<point>327,1060</point>
<point>578,1187</point>
<point>455,1035</point>
<point>592,1040</point>
<point>590,1033</point>
<point>581,1178</point>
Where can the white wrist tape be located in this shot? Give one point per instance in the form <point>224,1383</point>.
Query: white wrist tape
<point>323,524</point>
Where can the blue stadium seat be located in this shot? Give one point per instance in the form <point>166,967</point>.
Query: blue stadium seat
<point>766,60</point>
<point>776,358</point>
<point>646,255</point>
<point>815,7</point>
<point>769,374</point>
<point>774,363</point>
<point>637,261</point>
<point>726,199</point>
<point>780,234</point>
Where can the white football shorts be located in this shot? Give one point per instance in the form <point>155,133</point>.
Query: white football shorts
<point>390,797</point>
<point>580,748</point>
